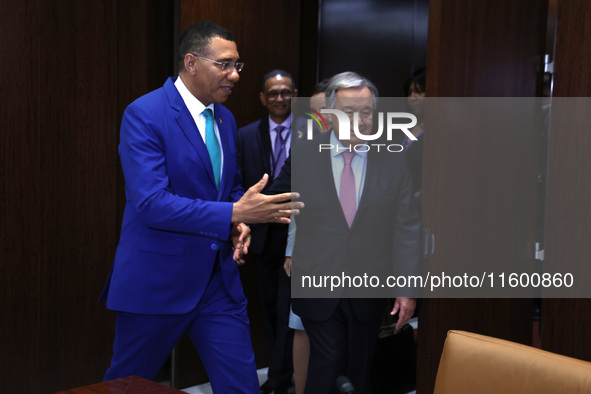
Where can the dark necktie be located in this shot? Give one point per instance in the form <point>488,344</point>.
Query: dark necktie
<point>213,146</point>
<point>348,192</point>
<point>280,150</point>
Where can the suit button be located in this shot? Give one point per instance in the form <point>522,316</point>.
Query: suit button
<point>214,247</point>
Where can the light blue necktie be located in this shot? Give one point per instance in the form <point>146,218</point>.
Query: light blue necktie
<point>213,146</point>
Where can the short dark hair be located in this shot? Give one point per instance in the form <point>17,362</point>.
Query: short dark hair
<point>275,73</point>
<point>197,38</point>
<point>418,78</point>
<point>321,86</point>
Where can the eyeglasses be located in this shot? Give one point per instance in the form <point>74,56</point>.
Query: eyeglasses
<point>225,66</point>
<point>365,114</point>
<point>273,94</point>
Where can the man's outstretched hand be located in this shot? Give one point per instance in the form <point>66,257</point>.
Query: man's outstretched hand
<point>255,207</point>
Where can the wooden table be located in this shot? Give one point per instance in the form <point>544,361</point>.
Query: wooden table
<point>128,385</point>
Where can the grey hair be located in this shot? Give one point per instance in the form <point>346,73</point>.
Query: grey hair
<point>348,79</point>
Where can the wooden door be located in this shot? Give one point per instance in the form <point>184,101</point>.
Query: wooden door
<point>476,210</point>
<point>566,322</point>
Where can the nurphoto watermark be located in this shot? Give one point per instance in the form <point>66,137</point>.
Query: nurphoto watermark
<point>347,119</point>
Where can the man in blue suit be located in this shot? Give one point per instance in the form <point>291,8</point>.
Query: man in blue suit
<point>183,231</point>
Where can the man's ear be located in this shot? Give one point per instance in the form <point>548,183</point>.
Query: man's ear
<point>190,63</point>
<point>295,93</point>
<point>263,99</point>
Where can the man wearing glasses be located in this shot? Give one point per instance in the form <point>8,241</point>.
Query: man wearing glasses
<point>184,231</point>
<point>263,147</point>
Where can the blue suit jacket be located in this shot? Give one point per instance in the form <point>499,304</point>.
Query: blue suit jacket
<point>175,219</point>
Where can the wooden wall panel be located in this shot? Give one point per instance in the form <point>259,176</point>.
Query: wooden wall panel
<point>60,195</point>
<point>61,174</point>
<point>20,193</point>
<point>566,322</point>
<point>77,129</point>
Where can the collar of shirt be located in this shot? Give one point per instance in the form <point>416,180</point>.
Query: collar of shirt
<point>272,125</point>
<point>196,108</point>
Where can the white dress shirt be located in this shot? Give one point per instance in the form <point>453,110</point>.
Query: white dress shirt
<point>196,109</point>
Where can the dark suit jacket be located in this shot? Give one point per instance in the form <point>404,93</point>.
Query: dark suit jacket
<point>384,237</point>
<point>176,221</point>
<point>254,158</point>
